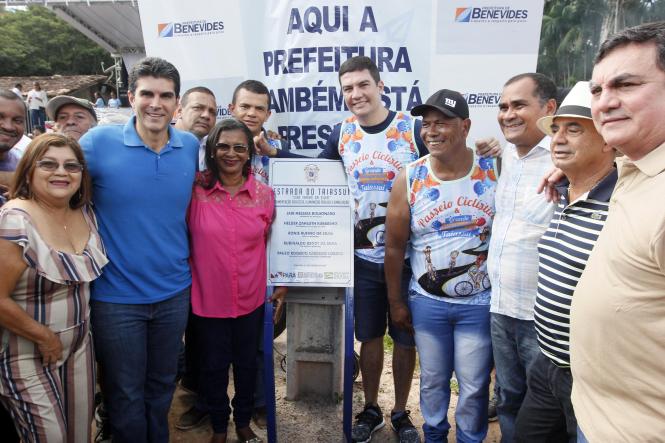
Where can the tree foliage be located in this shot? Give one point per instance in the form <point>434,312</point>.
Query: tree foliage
<point>37,42</point>
<point>572,31</point>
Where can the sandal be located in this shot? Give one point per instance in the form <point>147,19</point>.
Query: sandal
<point>250,436</point>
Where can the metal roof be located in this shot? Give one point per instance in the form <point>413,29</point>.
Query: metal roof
<point>113,25</point>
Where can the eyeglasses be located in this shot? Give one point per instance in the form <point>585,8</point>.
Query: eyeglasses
<point>239,149</point>
<point>50,166</point>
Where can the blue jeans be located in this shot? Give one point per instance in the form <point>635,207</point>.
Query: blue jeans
<point>453,337</point>
<point>38,117</point>
<point>580,436</point>
<point>138,345</point>
<point>515,347</point>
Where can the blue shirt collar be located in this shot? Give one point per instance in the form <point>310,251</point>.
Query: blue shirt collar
<point>132,138</point>
<point>601,192</point>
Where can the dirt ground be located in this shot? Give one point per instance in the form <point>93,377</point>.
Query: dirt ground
<point>315,420</point>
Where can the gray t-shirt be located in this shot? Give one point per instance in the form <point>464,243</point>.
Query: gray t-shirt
<point>7,164</point>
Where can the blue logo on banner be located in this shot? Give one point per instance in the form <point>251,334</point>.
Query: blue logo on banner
<point>165,29</point>
<point>463,15</point>
<point>491,14</point>
<point>190,28</point>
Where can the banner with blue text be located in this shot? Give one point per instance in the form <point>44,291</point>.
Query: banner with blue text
<point>296,48</point>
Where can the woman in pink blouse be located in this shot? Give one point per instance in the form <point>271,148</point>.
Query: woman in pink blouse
<point>229,221</point>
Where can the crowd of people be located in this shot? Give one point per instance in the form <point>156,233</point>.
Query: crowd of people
<point>131,237</point>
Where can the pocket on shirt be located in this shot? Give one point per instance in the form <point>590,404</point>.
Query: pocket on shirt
<point>537,210</point>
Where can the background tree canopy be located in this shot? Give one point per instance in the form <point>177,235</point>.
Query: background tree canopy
<point>572,31</point>
<point>36,42</point>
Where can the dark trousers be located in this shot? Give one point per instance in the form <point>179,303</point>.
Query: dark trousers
<point>189,369</point>
<point>7,429</point>
<point>223,342</point>
<point>547,413</point>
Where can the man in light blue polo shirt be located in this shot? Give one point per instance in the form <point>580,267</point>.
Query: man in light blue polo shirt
<point>142,177</point>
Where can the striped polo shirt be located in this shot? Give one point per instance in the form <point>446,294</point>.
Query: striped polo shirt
<point>563,251</point>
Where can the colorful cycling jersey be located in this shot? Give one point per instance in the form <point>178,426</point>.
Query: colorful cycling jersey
<point>259,166</point>
<point>372,161</point>
<point>451,224</point>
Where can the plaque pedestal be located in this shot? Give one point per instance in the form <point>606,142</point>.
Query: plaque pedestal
<point>315,343</point>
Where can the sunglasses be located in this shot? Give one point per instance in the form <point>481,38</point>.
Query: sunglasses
<point>239,149</point>
<point>50,166</point>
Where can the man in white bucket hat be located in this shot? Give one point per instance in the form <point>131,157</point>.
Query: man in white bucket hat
<point>588,163</point>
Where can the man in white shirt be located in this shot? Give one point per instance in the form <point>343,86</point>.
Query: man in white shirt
<point>521,218</point>
<point>37,105</point>
<point>196,114</point>
<point>18,90</point>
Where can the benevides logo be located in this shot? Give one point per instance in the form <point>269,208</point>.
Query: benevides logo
<point>491,14</point>
<point>463,15</point>
<point>190,28</point>
<point>165,29</point>
<point>482,99</point>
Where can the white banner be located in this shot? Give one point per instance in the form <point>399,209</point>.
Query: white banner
<point>296,48</point>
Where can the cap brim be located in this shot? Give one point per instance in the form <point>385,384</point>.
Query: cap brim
<point>58,102</point>
<point>420,110</point>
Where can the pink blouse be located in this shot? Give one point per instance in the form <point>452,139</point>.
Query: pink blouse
<point>228,248</point>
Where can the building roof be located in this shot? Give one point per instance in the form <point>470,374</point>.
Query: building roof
<point>55,84</point>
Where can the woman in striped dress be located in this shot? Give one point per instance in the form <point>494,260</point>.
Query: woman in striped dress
<point>51,251</point>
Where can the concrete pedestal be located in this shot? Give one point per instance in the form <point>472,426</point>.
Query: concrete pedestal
<point>315,343</point>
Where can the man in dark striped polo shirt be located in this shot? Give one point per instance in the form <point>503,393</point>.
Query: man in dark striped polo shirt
<point>580,152</point>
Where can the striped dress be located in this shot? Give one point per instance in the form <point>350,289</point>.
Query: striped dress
<point>53,403</point>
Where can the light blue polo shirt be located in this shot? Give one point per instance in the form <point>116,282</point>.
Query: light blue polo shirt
<point>141,198</point>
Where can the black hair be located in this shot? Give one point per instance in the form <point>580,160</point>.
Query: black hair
<point>645,33</point>
<point>201,89</point>
<point>229,124</point>
<point>154,67</point>
<point>360,63</point>
<point>254,86</point>
<point>545,88</point>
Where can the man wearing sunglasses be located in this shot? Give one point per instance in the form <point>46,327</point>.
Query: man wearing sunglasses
<point>142,177</point>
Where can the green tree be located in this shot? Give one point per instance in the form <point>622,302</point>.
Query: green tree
<point>568,39</point>
<point>572,31</point>
<point>37,42</point>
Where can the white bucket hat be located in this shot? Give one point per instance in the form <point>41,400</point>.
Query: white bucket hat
<point>577,104</point>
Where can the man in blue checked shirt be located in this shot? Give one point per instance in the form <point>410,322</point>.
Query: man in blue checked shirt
<point>521,218</point>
